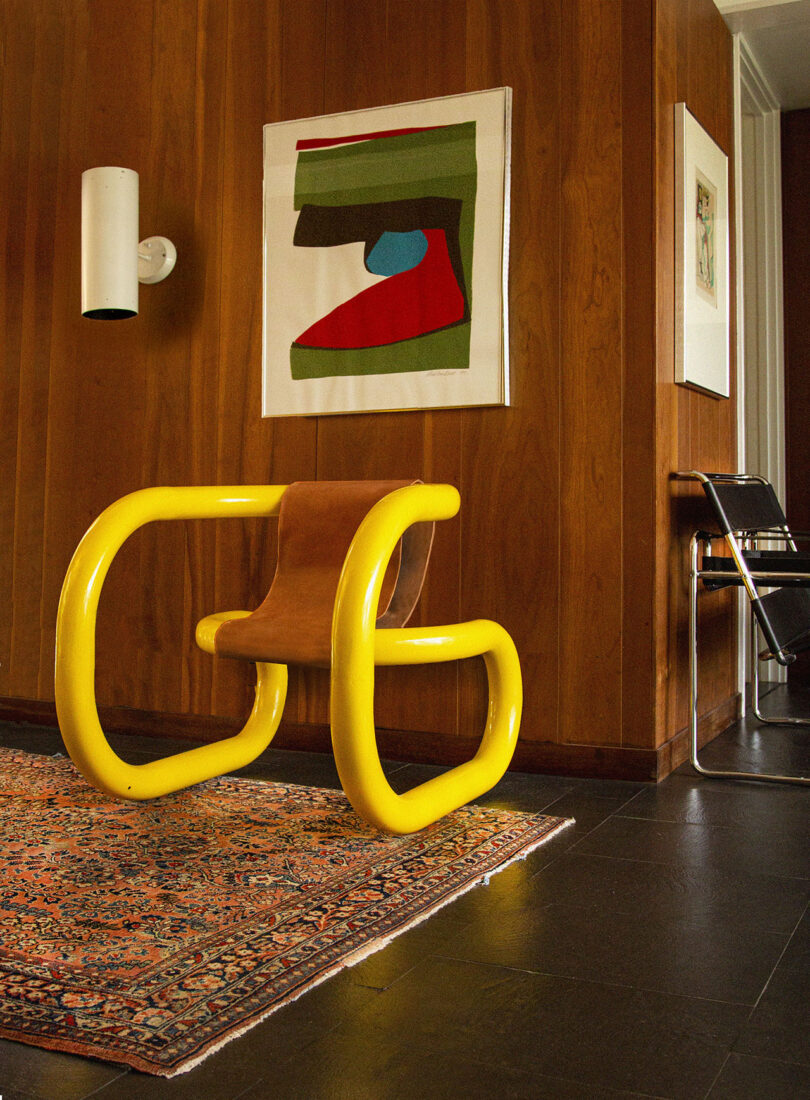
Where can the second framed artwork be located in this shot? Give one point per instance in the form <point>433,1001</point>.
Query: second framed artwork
<point>385,258</point>
<point>701,258</point>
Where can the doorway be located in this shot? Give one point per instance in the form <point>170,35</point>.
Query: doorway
<point>760,337</point>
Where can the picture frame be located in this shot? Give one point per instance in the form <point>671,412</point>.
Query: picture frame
<point>703,293</point>
<point>386,258</point>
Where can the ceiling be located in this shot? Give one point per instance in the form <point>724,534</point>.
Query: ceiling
<point>778,35</point>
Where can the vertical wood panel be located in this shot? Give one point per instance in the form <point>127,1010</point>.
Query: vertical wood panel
<point>18,44</point>
<point>210,105</point>
<point>669,560</point>
<point>170,310</point>
<point>694,58</point>
<point>242,441</point>
<point>60,504</point>
<point>591,421</point>
<point>639,403</point>
<point>510,457</point>
<point>711,66</point>
<point>98,428</point>
<point>39,182</point>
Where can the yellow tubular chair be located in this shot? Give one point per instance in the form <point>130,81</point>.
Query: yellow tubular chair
<point>352,641</point>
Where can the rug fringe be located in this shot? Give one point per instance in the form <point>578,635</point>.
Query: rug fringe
<point>363,953</point>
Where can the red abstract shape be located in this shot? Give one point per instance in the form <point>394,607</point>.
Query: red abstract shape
<point>328,143</point>
<point>409,304</point>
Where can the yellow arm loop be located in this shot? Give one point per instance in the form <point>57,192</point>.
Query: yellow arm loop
<point>357,646</point>
<point>76,647</point>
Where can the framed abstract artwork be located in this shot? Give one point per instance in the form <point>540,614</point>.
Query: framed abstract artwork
<point>385,258</point>
<point>701,258</point>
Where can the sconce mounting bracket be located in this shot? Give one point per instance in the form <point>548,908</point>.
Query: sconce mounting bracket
<point>156,259</point>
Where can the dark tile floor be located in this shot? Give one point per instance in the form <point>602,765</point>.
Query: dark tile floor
<point>660,947</point>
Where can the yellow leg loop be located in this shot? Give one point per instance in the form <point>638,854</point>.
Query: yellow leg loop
<point>76,648</point>
<point>357,646</point>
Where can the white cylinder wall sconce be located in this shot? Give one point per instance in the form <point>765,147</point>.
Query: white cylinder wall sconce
<point>113,262</point>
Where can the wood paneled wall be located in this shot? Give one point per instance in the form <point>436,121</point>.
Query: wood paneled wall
<point>694,430</point>
<point>567,533</point>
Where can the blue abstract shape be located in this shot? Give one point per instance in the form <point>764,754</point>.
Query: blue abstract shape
<point>397,252</point>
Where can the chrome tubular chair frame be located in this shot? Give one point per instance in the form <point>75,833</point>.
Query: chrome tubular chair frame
<point>740,575</point>
<point>357,646</point>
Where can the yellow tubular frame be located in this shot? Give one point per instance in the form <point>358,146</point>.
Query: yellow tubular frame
<point>76,647</point>
<point>357,646</point>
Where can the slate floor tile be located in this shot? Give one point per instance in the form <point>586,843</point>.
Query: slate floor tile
<point>735,900</point>
<point>44,1074</point>
<point>616,789</point>
<point>761,850</point>
<point>760,1079</point>
<point>797,955</point>
<point>352,1075</point>
<point>635,949</point>
<point>594,1034</point>
<point>778,1027</point>
<point>698,801</point>
<point>761,748</point>
<point>587,806</point>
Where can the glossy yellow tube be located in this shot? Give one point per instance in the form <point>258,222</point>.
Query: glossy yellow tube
<point>357,646</point>
<point>76,647</point>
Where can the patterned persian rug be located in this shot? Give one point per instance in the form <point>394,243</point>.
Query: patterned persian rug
<point>151,933</point>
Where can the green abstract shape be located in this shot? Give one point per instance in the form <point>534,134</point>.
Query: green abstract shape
<point>448,349</point>
<point>382,167</point>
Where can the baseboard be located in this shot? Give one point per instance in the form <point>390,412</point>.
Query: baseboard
<point>194,727</point>
<point>579,760</point>
<point>676,751</point>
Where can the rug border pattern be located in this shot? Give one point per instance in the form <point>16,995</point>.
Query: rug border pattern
<point>244,1006</point>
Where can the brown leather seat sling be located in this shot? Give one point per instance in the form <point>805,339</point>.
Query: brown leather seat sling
<point>317,522</point>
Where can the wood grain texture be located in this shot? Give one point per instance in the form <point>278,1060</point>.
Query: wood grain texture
<point>591,370</point>
<point>18,46</point>
<point>98,432</point>
<point>60,502</point>
<point>570,533</point>
<point>511,535</point>
<point>694,430</point>
<point>638,423</point>
<point>38,180</point>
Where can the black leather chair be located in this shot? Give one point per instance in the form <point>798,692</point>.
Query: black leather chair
<point>761,553</point>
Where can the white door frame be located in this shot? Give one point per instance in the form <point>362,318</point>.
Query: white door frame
<point>760,338</point>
